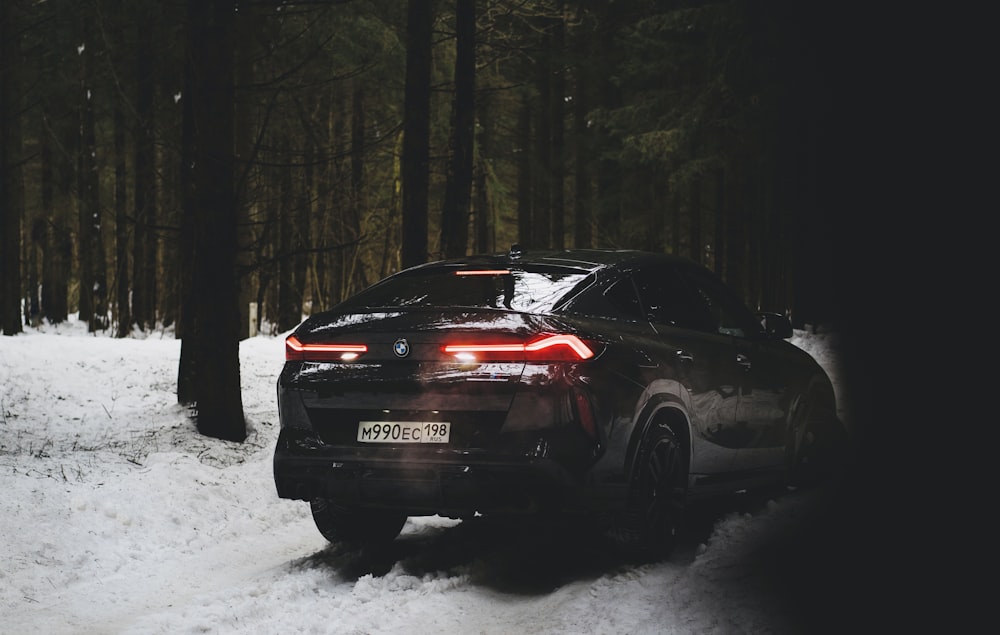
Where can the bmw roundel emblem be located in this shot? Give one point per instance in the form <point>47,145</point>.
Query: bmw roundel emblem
<point>401,347</point>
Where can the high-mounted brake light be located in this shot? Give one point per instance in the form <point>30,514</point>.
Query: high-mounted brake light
<point>295,350</point>
<point>483,272</point>
<point>545,348</point>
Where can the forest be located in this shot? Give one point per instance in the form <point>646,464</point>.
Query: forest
<point>225,167</point>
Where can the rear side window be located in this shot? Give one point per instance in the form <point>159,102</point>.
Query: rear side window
<point>728,313</point>
<point>667,299</point>
<point>617,301</point>
<point>512,289</point>
<point>623,298</point>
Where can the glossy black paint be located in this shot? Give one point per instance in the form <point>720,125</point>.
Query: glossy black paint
<point>672,347</point>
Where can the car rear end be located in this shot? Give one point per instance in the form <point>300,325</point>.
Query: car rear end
<point>450,391</point>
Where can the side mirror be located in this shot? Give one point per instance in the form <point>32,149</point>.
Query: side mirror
<point>775,326</point>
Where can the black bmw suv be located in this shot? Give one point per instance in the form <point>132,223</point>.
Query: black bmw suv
<point>614,385</point>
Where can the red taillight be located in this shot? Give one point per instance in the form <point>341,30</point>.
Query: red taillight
<point>295,350</point>
<point>545,348</point>
<point>556,344</point>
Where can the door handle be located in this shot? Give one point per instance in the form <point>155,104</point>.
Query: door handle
<point>743,361</point>
<point>684,356</point>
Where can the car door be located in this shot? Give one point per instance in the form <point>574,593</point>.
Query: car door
<point>762,407</point>
<point>703,359</point>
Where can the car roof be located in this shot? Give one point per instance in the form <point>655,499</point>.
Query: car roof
<point>581,260</point>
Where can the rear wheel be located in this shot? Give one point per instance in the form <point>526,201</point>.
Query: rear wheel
<point>648,528</point>
<point>340,523</point>
<point>818,446</point>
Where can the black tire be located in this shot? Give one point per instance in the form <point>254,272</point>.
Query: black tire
<point>819,446</point>
<point>647,530</point>
<point>339,523</point>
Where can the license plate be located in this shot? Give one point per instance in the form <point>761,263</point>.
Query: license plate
<point>404,431</point>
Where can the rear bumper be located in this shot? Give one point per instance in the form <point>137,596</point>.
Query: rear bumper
<point>450,485</point>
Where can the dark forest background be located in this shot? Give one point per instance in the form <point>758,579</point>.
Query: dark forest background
<point>171,163</point>
<point>166,164</point>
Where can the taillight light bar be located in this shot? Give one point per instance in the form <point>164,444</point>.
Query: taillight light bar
<point>545,348</point>
<point>295,350</point>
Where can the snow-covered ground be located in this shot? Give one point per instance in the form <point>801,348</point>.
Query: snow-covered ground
<point>117,517</point>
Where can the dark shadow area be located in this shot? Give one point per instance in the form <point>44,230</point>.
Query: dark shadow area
<point>701,517</point>
<point>527,556</point>
<point>831,570</point>
<point>514,555</point>
<point>862,562</point>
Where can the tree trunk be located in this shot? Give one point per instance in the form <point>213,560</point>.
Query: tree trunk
<point>339,227</point>
<point>736,248</point>
<point>675,212</point>
<point>609,171</point>
<point>123,314</point>
<point>523,148</point>
<point>458,190</point>
<point>391,257</point>
<point>11,183</point>
<point>416,131</point>
<point>61,178</point>
<point>288,311</point>
<point>660,196</point>
<point>93,278</point>
<point>355,271</point>
<point>582,190</point>
<point>321,219</point>
<point>34,259</point>
<point>267,297</point>
<point>308,217</point>
<point>55,243</point>
<point>719,248</point>
<point>171,206</point>
<point>187,391</point>
<point>144,245</point>
<point>248,22</point>
<point>302,244</point>
<point>217,363</point>
<point>481,206</point>
<point>697,241</point>
<point>557,103</point>
<point>541,225</point>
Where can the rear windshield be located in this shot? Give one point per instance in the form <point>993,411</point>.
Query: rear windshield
<point>513,289</point>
